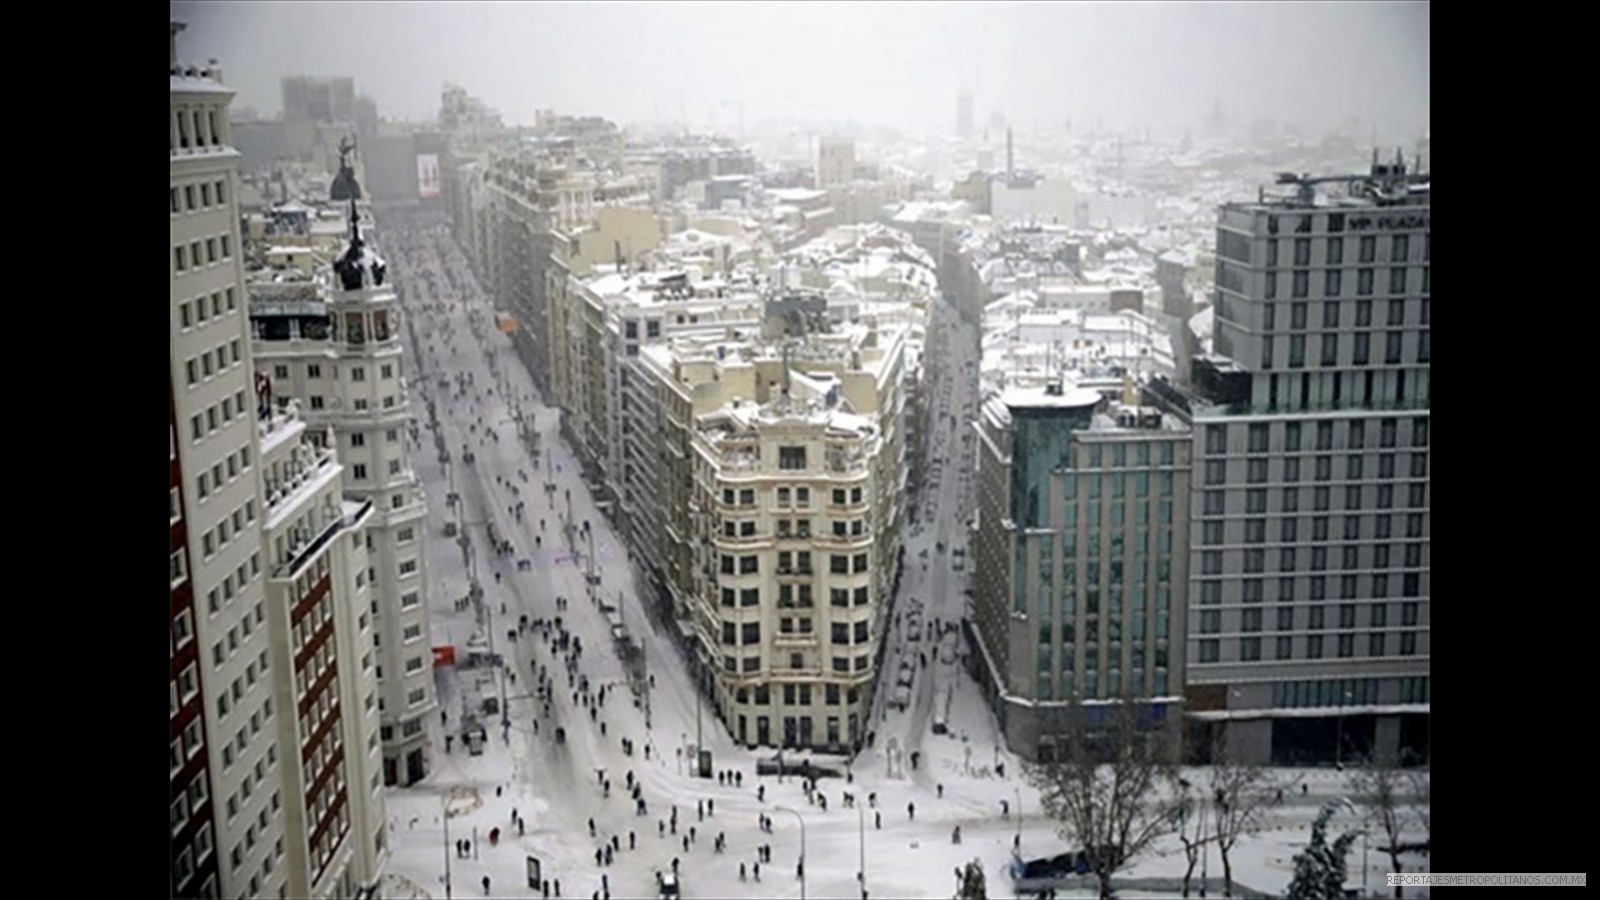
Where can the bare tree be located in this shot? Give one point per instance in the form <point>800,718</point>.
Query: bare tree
<point>1417,780</point>
<point>1377,790</point>
<point>1191,825</point>
<point>1240,794</point>
<point>1109,786</point>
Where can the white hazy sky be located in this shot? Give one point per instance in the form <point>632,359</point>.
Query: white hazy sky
<point>1132,65</point>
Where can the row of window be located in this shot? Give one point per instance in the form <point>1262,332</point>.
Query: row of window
<point>234,583</point>
<point>207,193</point>
<point>206,308</point>
<point>1215,532</point>
<point>1124,453</point>
<point>1120,484</point>
<point>752,664</point>
<point>1254,559</point>
<point>188,257</point>
<point>216,539</point>
<point>237,634</point>
<point>1315,617</point>
<point>798,528</point>
<point>202,367</point>
<point>1321,498</point>
<point>280,371</point>
<point>798,694</point>
<point>1333,282</point>
<point>314,717</point>
<point>1299,314</point>
<point>1378,586</point>
<point>750,632</point>
<point>240,745</point>
<point>216,416</point>
<point>1360,344</point>
<point>1355,468</point>
<point>1093,682</point>
<point>226,700</point>
<point>838,564</point>
<point>190,856</point>
<point>195,128</point>
<point>1350,437</point>
<point>1377,644</point>
<point>1344,692</point>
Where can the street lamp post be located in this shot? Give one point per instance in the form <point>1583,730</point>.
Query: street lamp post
<point>1338,744</point>
<point>861,876</point>
<point>444,804</point>
<point>801,819</point>
<point>1365,869</point>
<point>1018,789</point>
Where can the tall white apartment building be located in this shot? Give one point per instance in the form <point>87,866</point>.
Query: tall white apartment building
<point>795,515</point>
<point>321,631</point>
<point>337,349</point>
<point>227,784</point>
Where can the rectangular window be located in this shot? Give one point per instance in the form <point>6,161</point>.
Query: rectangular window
<point>792,458</point>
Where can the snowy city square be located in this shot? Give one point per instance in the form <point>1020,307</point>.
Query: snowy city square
<point>775,475</point>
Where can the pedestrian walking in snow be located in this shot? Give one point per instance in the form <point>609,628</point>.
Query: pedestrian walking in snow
<point>756,869</point>
<point>877,820</point>
<point>941,791</point>
<point>741,871</point>
<point>686,843</point>
<point>486,885</point>
<point>711,807</point>
<point>631,842</point>
<point>911,811</point>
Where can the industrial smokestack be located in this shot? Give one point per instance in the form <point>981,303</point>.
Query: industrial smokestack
<point>1011,162</point>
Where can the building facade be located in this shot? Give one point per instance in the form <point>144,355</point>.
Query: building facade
<point>1082,525</point>
<point>218,756</point>
<point>318,615</point>
<point>1309,595</point>
<point>836,162</point>
<point>337,349</point>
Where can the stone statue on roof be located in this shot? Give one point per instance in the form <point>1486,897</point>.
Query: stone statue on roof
<point>345,186</point>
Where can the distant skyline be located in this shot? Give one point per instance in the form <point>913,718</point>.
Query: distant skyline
<point>1126,65</point>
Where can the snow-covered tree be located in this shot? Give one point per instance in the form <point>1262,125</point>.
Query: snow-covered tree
<point>1320,870</point>
<point>1377,789</point>
<point>1418,780</point>
<point>971,883</point>
<point>1191,825</point>
<point>1241,793</point>
<point>1109,786</point>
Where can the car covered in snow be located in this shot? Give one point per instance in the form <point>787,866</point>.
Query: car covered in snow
<point>667,883</point>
